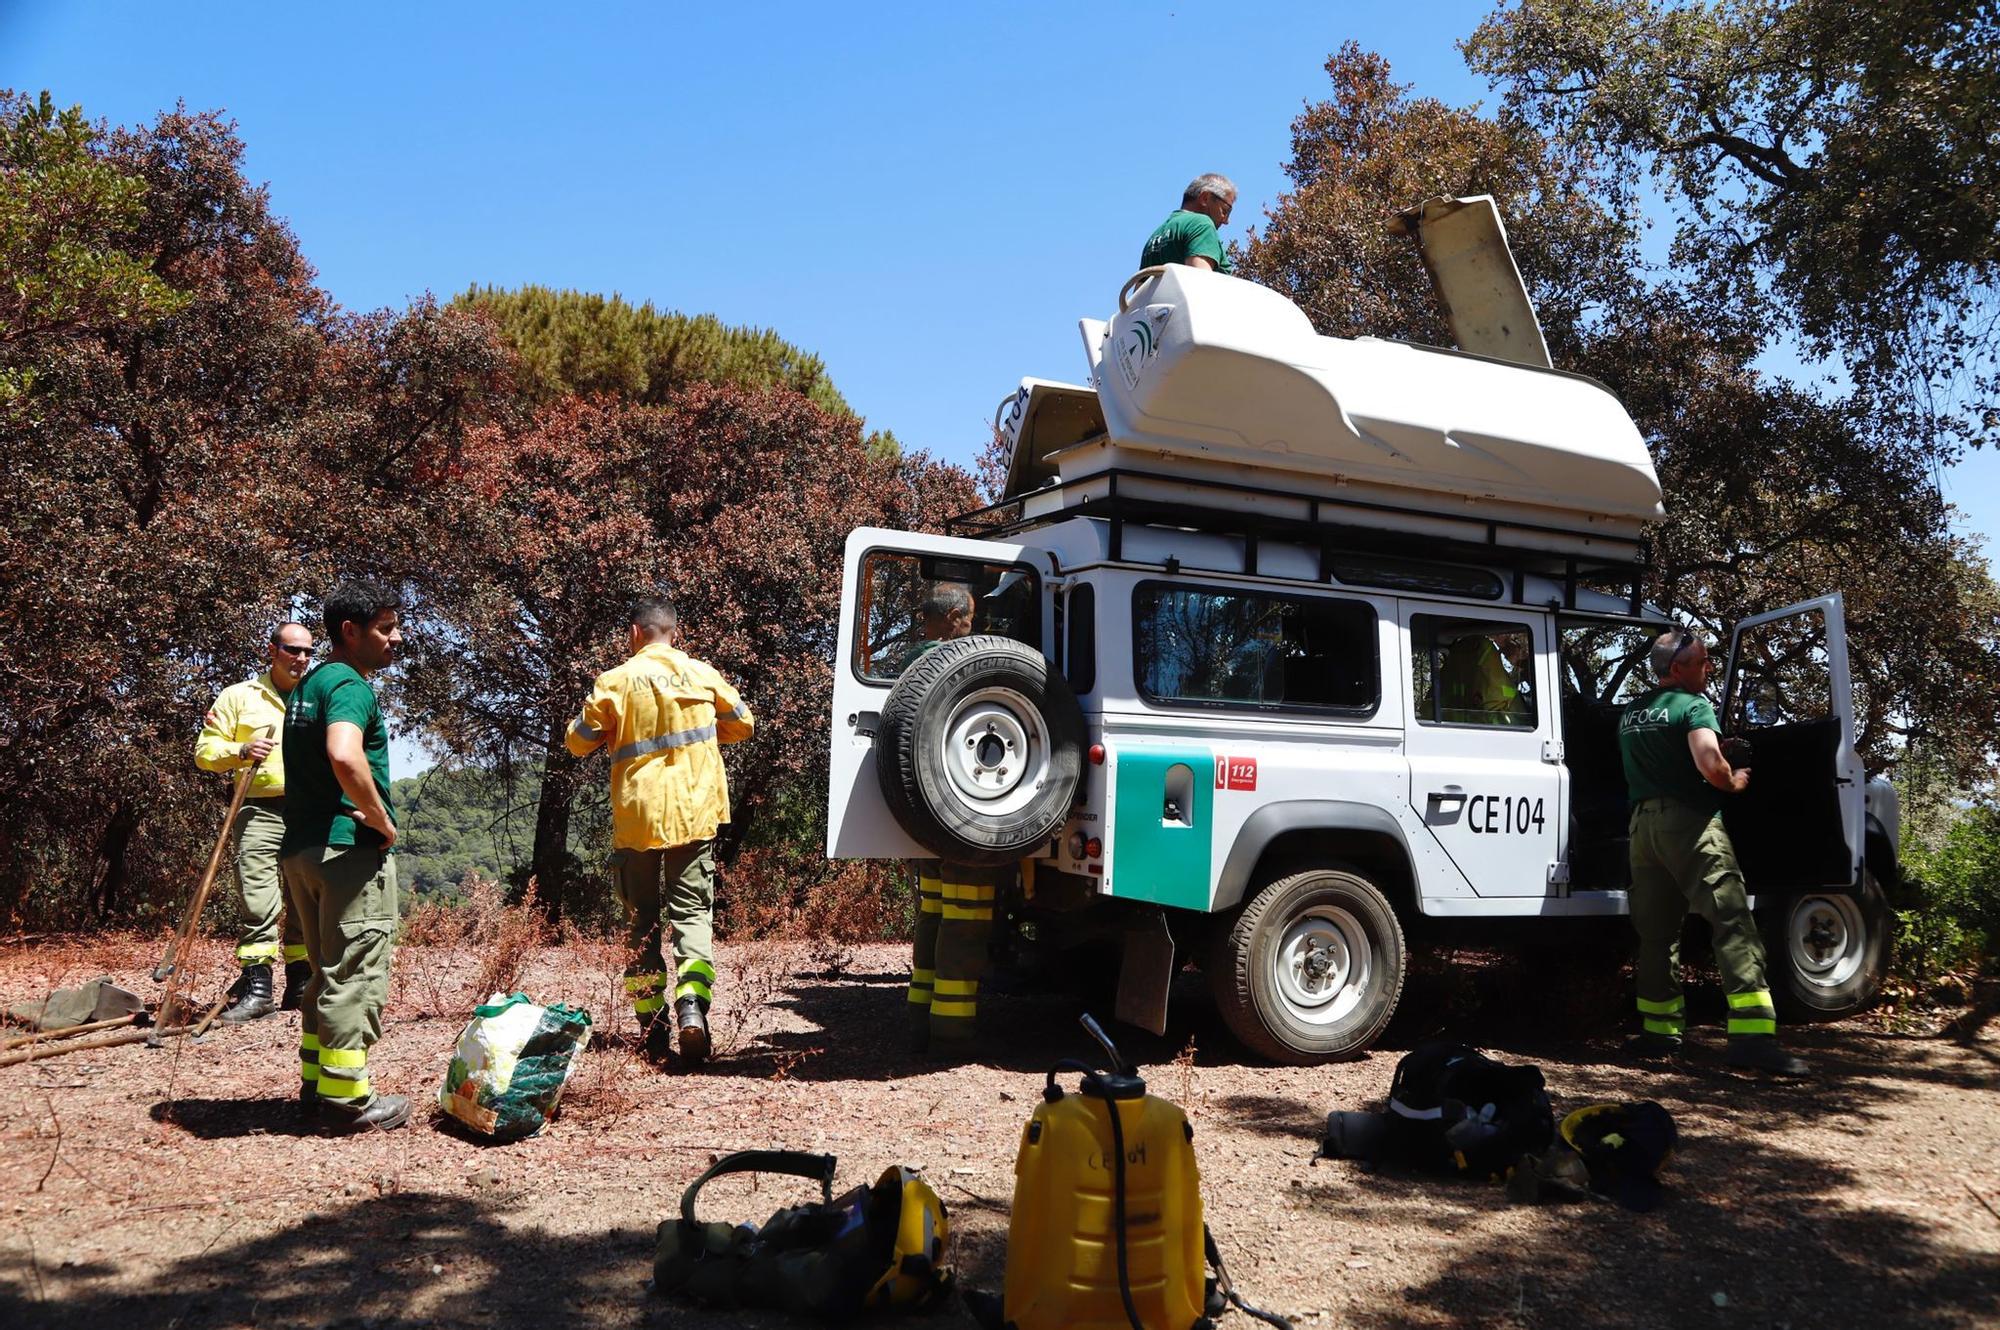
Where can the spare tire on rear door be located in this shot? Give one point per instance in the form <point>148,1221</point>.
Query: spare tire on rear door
<point>979,750</point>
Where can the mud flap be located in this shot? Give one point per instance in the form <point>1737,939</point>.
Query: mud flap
<point>1145,970</point>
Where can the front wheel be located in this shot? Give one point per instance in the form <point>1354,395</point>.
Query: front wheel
<point>1828,953</point>
<point>1312,968</point>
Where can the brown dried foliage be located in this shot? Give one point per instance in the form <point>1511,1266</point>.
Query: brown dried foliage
<point>439,935</point>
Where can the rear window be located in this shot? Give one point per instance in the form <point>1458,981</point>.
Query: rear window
<point>1080,653</point>
<point>1207,646</point>
<point>912,602</point>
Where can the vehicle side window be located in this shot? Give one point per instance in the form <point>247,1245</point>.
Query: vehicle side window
<point>1783,674</point>
<point>1472,672</point>
<point>1217,647</point>
<point>1080,657</point>
<point>912,602</point>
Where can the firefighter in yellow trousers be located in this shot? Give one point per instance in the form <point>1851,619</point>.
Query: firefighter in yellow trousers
<point>955,905</point>
<point>955,902</point>
<point>662,714</point>
<point>242,728</point>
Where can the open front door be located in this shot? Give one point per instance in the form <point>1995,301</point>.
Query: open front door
<point>902,593</point>
<point>1799,825</point>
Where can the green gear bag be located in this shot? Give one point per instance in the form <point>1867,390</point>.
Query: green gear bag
<point>879,1247</point>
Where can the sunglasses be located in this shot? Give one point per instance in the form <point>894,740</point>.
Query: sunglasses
<point>291,650</point>
<point>1687,637</point>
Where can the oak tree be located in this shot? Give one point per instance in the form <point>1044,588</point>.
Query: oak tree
<point>1843,152</point>
<point>1774,493</point>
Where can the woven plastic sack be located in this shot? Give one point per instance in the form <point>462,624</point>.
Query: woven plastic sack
<point>512,1061</point>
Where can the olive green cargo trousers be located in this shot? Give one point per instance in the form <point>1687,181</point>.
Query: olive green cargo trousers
<point>689,899</point>
<point>258,830</point>
<point>346,897</point>
<point>1682,860</point>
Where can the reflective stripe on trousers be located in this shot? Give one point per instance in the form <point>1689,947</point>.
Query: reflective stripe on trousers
<point>343,1074</point>
<point>1682,863</point>
<point>949,953</point>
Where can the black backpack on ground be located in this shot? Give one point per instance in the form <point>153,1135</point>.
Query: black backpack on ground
<point>1452,1110</point>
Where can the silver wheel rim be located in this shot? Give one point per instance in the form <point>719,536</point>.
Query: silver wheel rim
<point>996,751</point>
<point>1322,965</point>
<point>1827,939</point>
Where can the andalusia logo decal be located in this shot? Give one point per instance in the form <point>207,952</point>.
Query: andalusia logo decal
<point>1140,342</point>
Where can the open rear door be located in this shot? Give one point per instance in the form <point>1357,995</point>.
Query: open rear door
<point>890,577</point>
<point>1799,826</point>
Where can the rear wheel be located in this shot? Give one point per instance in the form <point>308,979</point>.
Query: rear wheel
<point>1311,969</point>
<point>1828,953</point>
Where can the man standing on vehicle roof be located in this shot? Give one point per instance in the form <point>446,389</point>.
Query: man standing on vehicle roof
<point>662,713</point>
<point>1682,859</point>
<point>338,868</point>
<point>954,901</point>
<point>1189,233</point>
<point>242,728</point>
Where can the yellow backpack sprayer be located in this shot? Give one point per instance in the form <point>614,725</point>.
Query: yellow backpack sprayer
<point>1106,1231</point>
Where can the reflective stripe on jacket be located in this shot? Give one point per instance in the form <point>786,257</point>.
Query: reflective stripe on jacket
<point>239,713</point>
<point>661,715</point>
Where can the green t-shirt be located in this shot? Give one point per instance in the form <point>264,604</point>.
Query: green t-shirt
<point>317,810</point>
<point>1653,741</point>
<point>1184,235</point>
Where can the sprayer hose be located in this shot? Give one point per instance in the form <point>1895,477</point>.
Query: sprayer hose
<point>1118,1202</point>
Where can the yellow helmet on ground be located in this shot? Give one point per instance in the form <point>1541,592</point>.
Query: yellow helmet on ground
<point>917,1275</point>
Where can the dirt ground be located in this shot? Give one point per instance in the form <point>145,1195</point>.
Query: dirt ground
<point>173,1187</point>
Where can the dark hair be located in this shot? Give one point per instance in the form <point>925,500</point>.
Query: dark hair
<point>656,612</point>
<point>359,602</point>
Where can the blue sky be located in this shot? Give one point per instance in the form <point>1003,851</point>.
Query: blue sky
<point>928,196</point>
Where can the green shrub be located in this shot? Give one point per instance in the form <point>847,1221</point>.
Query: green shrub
<point>1957,922</point>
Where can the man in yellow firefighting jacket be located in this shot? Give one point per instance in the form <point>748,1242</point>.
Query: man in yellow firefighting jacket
<point>244,727</point>
<point>661,714</point>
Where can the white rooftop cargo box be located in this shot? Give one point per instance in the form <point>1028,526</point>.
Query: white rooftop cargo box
<point>1210,380</point>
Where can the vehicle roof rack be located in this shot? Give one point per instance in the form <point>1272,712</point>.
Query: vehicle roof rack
<point>1330,525</point>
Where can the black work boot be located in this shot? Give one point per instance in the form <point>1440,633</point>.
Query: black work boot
<point>1650,1047</point>
<point>253,995</point>
<point>691,1015</point>
<point>385,1111</point>
<point>309,1101</point>
<point>297,975</point>
<point>659,1039</point>
<point>1760,1052</point>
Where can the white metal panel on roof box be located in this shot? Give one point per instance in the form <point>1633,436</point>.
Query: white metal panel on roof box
<point>1211,377</point>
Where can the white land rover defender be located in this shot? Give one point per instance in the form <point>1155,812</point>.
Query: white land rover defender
<point>1280,639</point>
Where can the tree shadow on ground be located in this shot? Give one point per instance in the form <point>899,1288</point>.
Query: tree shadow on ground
<point>1270,1115</point>
<point>1520,1006</point>
<point>388,1262</point>
<point>1795,1252</point>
